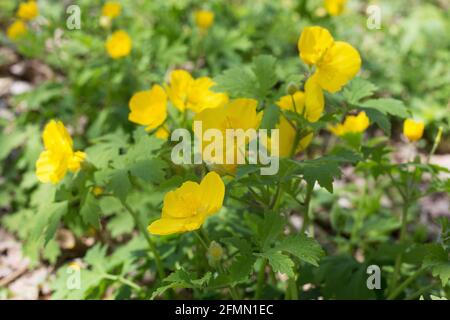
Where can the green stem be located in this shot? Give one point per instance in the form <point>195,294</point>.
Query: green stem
<point>199,237</point>
<point>151,245</point>
<point>406,283</point>
<point>123,280</point>
<point>419,292</point>
<point>437,140</point>
<point>292,288</point>
<point>399,259</point>
<point>306,220</point>
<point>276,198</point>
<point>261,278</point>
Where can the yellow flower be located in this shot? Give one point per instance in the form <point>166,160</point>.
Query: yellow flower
<point>335,7</point>
<point>28,10</point>
<point>237,114</point>
<point>336,62</point>
<point>111,9</point>
<point>17,29</point>
<point>186,92</point>
<point>204,19</point>
<point>413,130</point>
<point>186,208</point>
<point>149,108</point>
<point>58,157</point>
<point>118,44</point>
<point>287,138</point>
<point>352,124</point>
<point>310,103</point>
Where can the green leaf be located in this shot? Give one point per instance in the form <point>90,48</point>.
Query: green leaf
<point>241,267</point>
<point>150,170</point>
<point>120,184</point>
<point>182,279</point>
<point>120,224</point>
<point>106,148</point>
<point>55,212</point>
<point>238,81</point>
<point>143,148</point>
<point>270,228</point>
<point>358,89</point>
<point>389,106</point>
<point>279,262</point>
<point>438,259</point>
<point>342,277</point>
<point>305,248</point>
<point>90,211</point>
<point>264,69</point>
<point>255,82</point>
<point>380,119</point>
<point>271,117</point>
<point>96,257</point>
<point>46,221</point>
<point>322,170</point>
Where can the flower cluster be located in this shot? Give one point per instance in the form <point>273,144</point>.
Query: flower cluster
<point>27,11</point>
<point>149,108</point>
<point>332,65</point>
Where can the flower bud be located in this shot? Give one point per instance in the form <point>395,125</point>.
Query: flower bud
<point>105,22</point>
<point>215,253</point>
<point>292,88</point>
<point>413,130</point>
<point>97,191</point>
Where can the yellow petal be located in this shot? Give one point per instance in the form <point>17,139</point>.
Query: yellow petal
<point>314,100</point>
<point>51,167</point>
<point>162,133</point>
<point>352,124</point>
<point>166,226</point>
<point>287,139</point>
<point>179,88</point>
<point>413,130</point>
<point>201,97</point>
<point>183,202</point>
<point>76,160</point>
<point>313,43</point>
<point>339,65</point>
<point>212,190</point>
<point>56,137</point>
<point>242,114</point>
<point>294,103</point>
<point>149,108</point>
